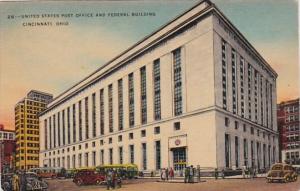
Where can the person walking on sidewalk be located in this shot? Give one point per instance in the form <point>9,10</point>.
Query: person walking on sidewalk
<point>167,174</point>
<point>186,174</point>
<point>171,173</point>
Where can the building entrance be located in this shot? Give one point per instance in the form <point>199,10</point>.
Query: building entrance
<point>179,158</point>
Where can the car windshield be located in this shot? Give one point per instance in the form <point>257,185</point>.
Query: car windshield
<point>277,167</point>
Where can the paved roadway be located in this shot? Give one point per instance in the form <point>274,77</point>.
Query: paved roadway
<point>258,184</point>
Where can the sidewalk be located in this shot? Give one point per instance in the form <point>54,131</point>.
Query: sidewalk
<point>203,179</point>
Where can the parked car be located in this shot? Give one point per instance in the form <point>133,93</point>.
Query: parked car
<point>282,172</point>
<point>6,181</point>
<point>84,177</point>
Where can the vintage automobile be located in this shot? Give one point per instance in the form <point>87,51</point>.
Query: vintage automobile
<point>84,177</point>
<point>7,181</point>
<point>34,182</point>
<point>282,172</point>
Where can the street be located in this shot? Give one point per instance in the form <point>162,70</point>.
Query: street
<point>206,185</point>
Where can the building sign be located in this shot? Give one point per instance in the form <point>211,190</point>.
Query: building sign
<point>178,141</point>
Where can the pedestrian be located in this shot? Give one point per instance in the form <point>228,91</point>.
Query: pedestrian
<point>216,173</point>
<point>23,181</point>
<point>109,179</point>
<point>186,174</point>
<point>198,173</point>
<point>167,174</point>
<point>191,177</point>
<point>163,174</point>
<point>171,173</point>
<point>16,182</point>
<point>244,173</point>
<point>223,173</point>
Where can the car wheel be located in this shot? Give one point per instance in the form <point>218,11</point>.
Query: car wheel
<point>295,178</point>
<point>286,179</point>
<point>98,182</point>
<point>79,182</point>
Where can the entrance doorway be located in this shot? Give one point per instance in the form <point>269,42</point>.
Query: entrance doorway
<point>179,158</point>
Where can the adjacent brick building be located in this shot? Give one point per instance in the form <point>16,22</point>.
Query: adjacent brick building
<point>288,124</point>
<point>7,149</point>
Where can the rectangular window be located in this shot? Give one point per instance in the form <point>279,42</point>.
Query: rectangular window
<point>63,126</point>
<point>102,157</point>
<point>143,133</point>
<point>157,155</point>
<point>156,130</point>
<point>177,126</point>
<point>110,108</point>
<point>271,106</point>
<point>227,150</point>
<point>177,82</point>
<point>68,162</point>
<point>249,90</point>
<point>256,95</point>
<point>242,74</point>
<point>80,160</point>
<point>110,156</point>
<point>143,95</point>
<point>94,159</point>
<point>144,153</point>
<point>58,128</point>
<point>54,131</point>
<point>80,120</point>
<point>121,155</point>
<point>157,99</point>
<point>131,153</point>
<point>86,156</point>
<point>86,117</point>
<point>245,152</point>
<point>234,82</point>
<point>120,103</point>
<point>102,112</point>
<point>74,123</point>
<point>224,75</point>
<point>94,114</point>
<point>252,155</point>
<point>261,101</point>
<point>131,99</point>
<point>73,161</point>
<point>46,134</point>
<point>237,148</point>
<point>258,154</point>
<point>267,102</point>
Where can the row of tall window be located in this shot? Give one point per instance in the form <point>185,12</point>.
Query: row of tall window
<point>56,162</point>
<point>258,158</point>
<point>254,85</point>
<point>51,130</point>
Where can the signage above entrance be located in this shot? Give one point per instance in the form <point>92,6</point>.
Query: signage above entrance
<point>178,141</point>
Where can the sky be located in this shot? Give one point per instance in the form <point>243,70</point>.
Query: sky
<point>53,58</point>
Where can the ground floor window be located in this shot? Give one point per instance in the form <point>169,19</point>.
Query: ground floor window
<point>179,158</point>
<point>227,150</point>
<point>157,155</point>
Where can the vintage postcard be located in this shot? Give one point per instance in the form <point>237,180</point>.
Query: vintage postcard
<point>149,95</point>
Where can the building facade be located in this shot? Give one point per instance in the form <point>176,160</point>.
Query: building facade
<point>27,128</point>
<point>7,149</point>
<point>288,125</point>
<point>194,92</point>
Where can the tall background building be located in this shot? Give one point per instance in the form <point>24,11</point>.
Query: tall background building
<point>194,92</point>
<point>27,128</point>
<point>7,149</point>
<point>288,125</point>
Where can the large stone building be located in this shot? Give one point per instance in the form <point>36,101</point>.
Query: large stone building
<point>27,128</point>
<point>7,149</point>
<point>289,128</point>
<point>194,92</point>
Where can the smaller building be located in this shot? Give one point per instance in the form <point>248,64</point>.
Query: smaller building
<point>27,128</point>
<point>288,124</point>
<point>7,149</point>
